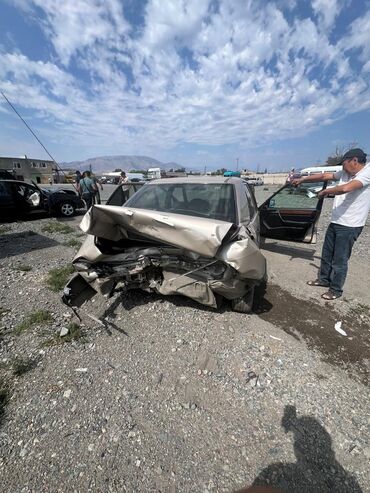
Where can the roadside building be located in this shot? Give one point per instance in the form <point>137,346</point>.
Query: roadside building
<point>26,169</point>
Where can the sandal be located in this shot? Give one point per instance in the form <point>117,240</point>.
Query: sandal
<point>329,295</point>
<point>317,282</point>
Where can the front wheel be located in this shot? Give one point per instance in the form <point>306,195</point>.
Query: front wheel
<point>244,304</point>
<point>67,209</point>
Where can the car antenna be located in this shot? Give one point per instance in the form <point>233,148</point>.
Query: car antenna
<point>38,140</point>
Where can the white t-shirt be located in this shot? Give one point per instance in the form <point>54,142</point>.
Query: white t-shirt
<point>122,180</point>
<point>351,209</point>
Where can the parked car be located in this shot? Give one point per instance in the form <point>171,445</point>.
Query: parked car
<point>19,198</point>
<point>254,181</point>
<point>198,237</point>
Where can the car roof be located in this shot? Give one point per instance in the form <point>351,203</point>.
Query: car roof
<point>15,181</point>
<point>196,179</point>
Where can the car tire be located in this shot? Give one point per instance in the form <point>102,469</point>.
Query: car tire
<point>67,209</point>
<point>245,303</point>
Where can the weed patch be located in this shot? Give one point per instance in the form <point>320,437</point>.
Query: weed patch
<point>362,308</point>
<point>73,242</point>
<point>4,229</point>
<point>23,267</point>
<point>38,317</point>
<point>21,366</point>
<point>57,278</point>
<point>55,227</point>
<point>74,334</point>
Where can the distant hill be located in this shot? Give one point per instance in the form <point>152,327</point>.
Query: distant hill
<point>126,163</point>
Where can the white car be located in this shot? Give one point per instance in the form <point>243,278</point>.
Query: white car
<point>254,181</point>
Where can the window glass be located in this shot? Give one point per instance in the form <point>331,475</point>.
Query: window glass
<point>214,201</point>
<point>4,190</point>
<point>302,197</point>
<point>251,207</point>
<point>24,190</point>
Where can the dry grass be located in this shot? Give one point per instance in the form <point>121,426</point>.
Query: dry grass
<point>55,227</point>
<point>74,334</point>
<point>23,267</point>
<point>74,243</point>
<point>35,318</point>
<point>57,278</point>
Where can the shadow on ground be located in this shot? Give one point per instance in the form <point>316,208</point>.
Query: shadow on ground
<point>19,243</point>
<point>316,468</point>
<point>314,323</point>
<point>291,251</point>
<point>4,398</point>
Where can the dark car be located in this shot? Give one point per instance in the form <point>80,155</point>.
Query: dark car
<point>198,237</point>
<point>18,198</point>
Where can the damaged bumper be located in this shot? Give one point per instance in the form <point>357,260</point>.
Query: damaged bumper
<point>163,253</point>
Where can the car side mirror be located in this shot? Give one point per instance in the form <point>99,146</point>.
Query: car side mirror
<point>272,203</point>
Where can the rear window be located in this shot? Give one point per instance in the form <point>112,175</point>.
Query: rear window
<point>211,200</point>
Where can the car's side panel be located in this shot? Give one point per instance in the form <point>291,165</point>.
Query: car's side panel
<point>7,201</point>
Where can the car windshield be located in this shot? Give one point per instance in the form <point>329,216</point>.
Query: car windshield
<point>210,200</point>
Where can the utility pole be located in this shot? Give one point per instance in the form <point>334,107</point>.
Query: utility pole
<point>237,164</point>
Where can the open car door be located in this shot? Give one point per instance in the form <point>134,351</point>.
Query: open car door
<point>292,213</point>
<point>119,197</point>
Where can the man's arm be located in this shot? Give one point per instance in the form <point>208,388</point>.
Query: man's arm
<point>341,189</point>
<point>313,178</point>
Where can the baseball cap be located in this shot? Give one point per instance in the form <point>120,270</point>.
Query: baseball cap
<point>356,152</point>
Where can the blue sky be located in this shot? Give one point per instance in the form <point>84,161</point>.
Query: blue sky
<point>200,82</point>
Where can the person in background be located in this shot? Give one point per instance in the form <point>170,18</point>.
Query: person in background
<point>290,177</point>
<point>87,189</point>
<point>97,193</point>
<point>78,179</point>
<point>350,210</point>
<point>125,188</point>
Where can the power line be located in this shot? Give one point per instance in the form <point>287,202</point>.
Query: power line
<point>33,133</point>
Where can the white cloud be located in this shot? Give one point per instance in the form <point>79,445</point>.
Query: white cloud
<point>327,11</point>
<point>194,75</point>
<point>75,25</point>
<point>358,37</point>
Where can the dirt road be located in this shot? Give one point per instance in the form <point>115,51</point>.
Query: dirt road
<point>169,396</point>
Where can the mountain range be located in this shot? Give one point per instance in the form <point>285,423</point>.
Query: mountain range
<point>125,163</point>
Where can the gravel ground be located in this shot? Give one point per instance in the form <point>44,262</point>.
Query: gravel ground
<point>170,396</point>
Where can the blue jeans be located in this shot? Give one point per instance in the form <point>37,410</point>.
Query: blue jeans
<point>336,252</point>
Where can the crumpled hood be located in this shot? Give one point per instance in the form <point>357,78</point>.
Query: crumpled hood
<point>196,234</point>
<point>205,237</point>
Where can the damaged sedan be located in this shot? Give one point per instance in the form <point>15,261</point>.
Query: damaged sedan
<point>197,237</point>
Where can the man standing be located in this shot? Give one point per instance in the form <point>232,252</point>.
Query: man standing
<point>78,179</point>
<point>350,209</point>
<point>123,180</point>
<point>87,189</point>
<point>97,182</point>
